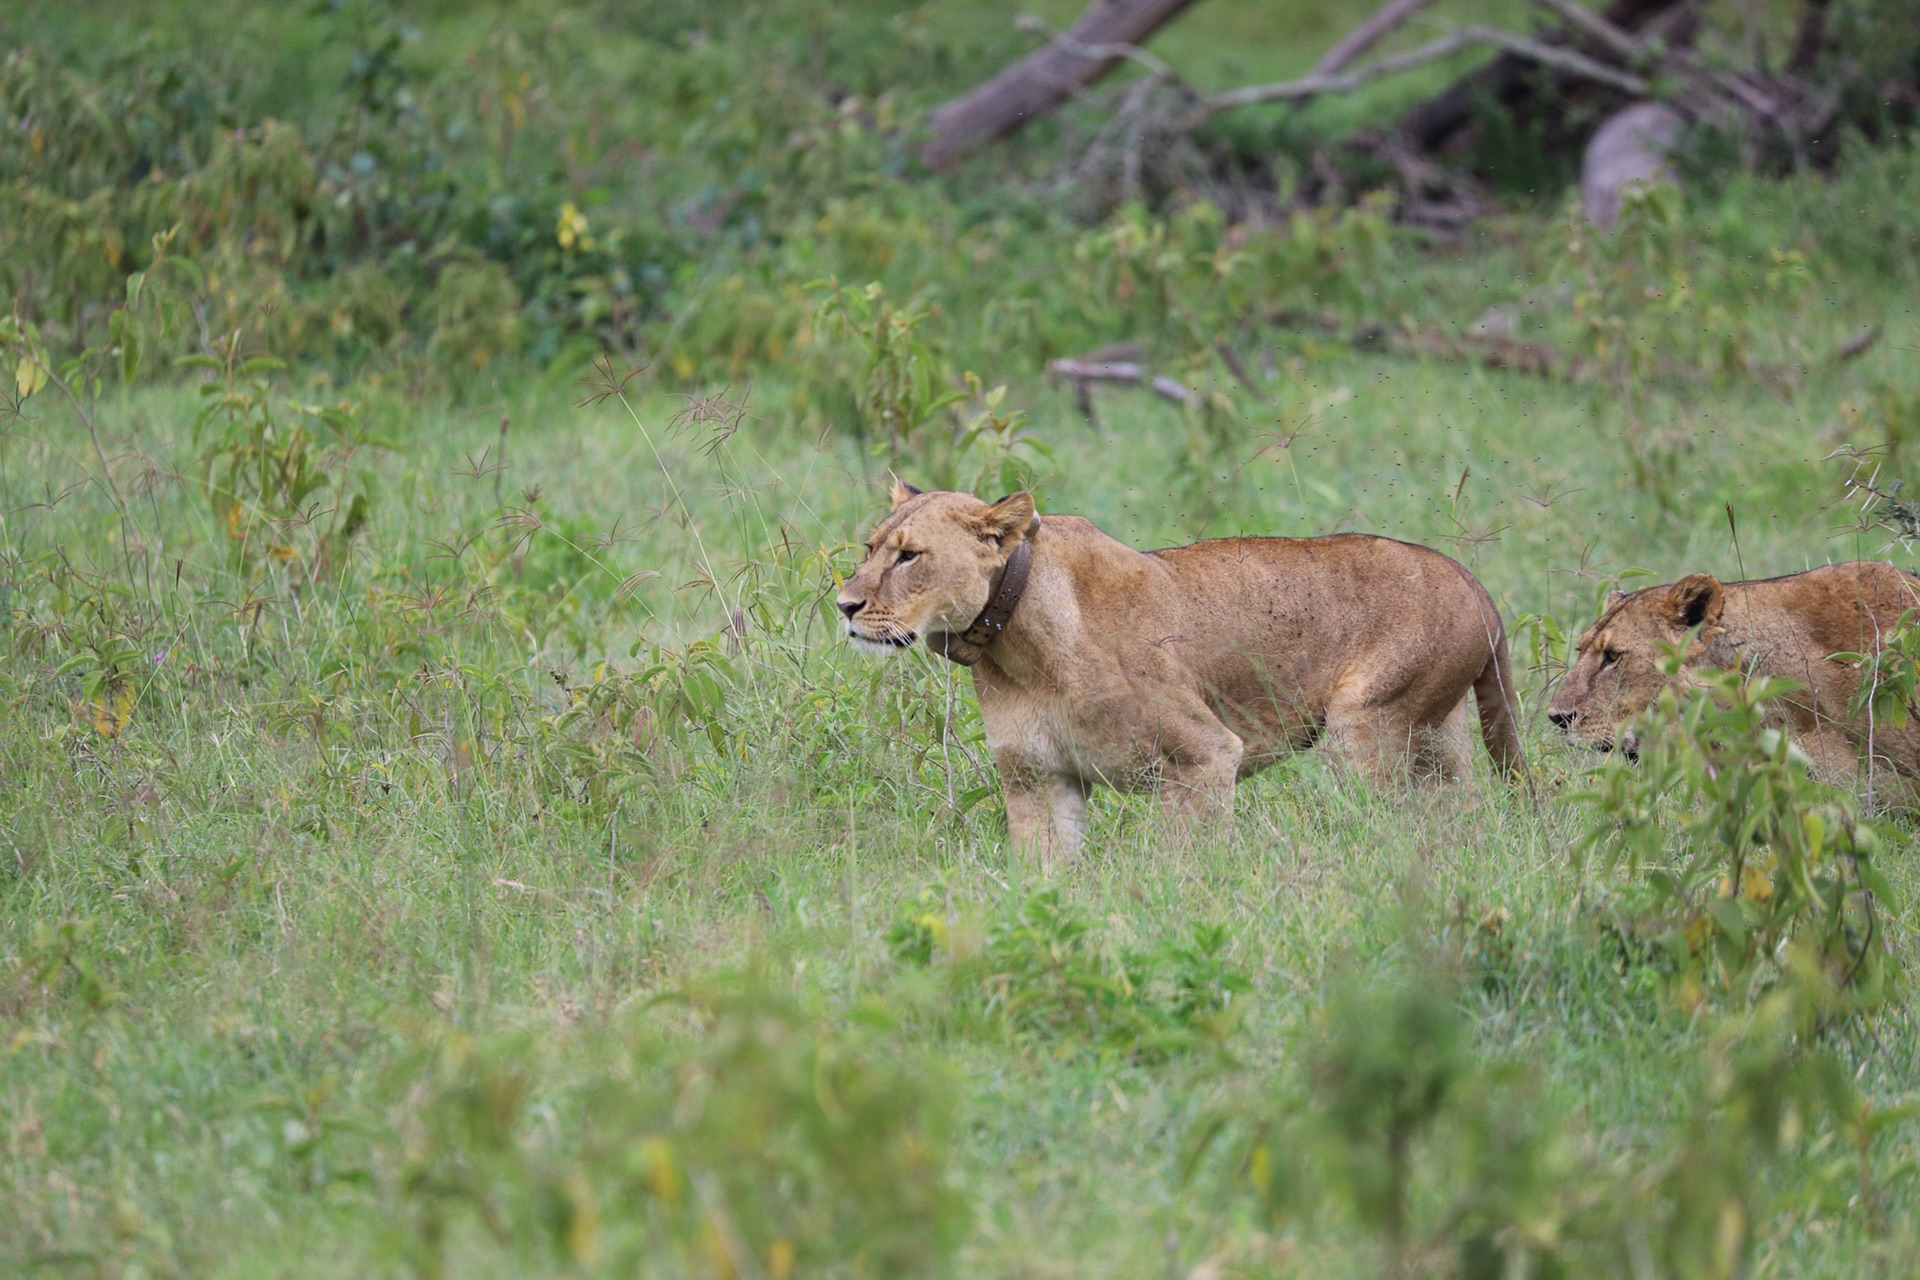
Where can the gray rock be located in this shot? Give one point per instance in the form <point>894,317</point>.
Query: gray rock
<point>1633,145</point>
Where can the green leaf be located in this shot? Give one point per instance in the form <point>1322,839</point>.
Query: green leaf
<point>1732,921</point>
<point>1876,883</point>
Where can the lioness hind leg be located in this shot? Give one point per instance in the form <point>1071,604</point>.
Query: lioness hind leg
<point>1444,752</point>
<point>1376,744</point>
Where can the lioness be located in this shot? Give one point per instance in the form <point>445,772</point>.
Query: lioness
<point>1189,668</point>
<point>1788,628</point>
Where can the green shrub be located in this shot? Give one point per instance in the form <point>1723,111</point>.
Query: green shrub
<point>1749,862</point>
<point>1042,974</point>
<point>769,1144</point>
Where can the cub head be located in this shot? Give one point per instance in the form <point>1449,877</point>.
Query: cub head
<point>930,566</point>
<point>1617,674</point>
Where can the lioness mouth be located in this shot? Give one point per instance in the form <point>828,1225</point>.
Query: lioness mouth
<point>882,644</point>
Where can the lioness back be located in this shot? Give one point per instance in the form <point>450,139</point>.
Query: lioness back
<point>1320,608</point>
<point>1320,624</point>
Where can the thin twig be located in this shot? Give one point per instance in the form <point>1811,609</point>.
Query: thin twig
<point>1366,35</point>
<point>1446,46</point>
<point>1598,27</point>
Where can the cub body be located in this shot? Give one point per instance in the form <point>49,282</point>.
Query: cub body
<point>1190,668</point>
<point>1788,628</point>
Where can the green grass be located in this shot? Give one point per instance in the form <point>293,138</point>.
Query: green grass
<point>544,824</point>
<point>274,913</point>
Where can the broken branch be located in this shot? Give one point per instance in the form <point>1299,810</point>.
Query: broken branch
<point>1598,27</point>
<point>1453,42</point>
<point>1366,35</point>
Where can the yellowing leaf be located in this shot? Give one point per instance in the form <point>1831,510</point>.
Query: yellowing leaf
<point>110,713</point>
<point>29,376</point>
<point>583,1220</point>
<point>572,227</point>
<point>1260,1169</point>
<point>663,1174</point>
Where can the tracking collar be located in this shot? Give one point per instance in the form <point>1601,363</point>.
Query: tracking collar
<point>970,645</point>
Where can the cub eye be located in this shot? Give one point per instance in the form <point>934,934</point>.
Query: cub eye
<point>1608,657</point>
<point>905,556</point>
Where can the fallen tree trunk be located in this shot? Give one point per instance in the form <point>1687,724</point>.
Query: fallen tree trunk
<point>1044,79</point>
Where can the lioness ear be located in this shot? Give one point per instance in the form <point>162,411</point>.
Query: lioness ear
<point>1008,520</point>
<point>902,491</point>
<point>1695,601</point>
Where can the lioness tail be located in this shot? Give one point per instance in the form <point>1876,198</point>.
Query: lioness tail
<point>1493,696</point>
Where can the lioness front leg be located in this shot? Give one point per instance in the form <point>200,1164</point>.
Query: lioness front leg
<point>1046,813</point>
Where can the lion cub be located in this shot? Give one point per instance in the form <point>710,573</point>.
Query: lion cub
<point>1186,669</point>
<point>1788,628</point>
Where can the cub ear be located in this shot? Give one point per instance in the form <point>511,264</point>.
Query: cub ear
<point>1009,520</point>
<point>902,491</point>
<point>1695,601</point>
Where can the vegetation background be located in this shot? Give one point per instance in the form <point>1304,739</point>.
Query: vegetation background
<point>441,833</point>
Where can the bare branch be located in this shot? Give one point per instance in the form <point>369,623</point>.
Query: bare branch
<point>1366,35</point>
<point>1175,392</point>
<point>1446,46</point>
<point>1856,346</point>
<point>1597,27</point>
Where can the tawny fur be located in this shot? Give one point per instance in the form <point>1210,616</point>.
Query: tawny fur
<point>1191,668</point>
<point>1788,628</point>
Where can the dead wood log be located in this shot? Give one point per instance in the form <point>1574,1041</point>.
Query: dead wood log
<point>1127,371</point>
<point>1084,373</point>
<point>1175,392</point>
<point>1045,78</point>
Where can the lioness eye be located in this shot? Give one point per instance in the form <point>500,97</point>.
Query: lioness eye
<point>1608,658</point>
<point>905,556</point>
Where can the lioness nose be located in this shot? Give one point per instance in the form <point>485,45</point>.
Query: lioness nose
<point>1562,719</point>
<point>850,607</point>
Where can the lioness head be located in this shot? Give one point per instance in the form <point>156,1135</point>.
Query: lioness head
<point>930,566</point>
<point>1617,673</point>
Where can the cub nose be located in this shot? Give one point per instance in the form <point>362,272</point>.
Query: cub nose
<point>850,607</point>
<point>1562,719</point>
